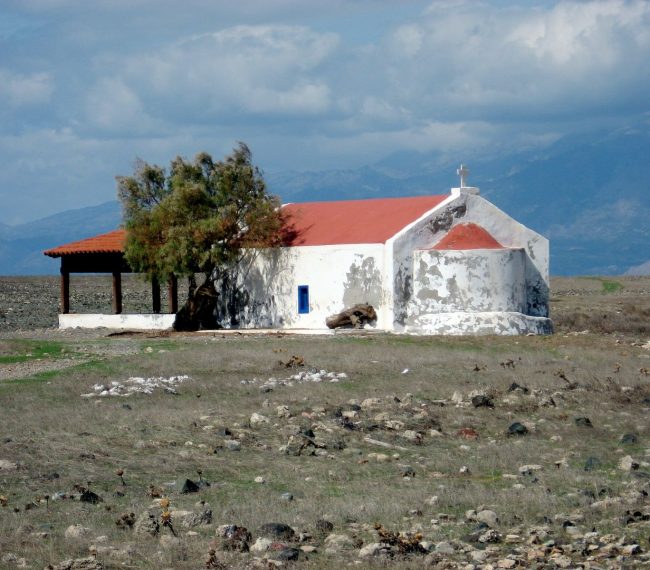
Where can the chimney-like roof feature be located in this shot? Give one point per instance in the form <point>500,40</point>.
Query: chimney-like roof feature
<point>467,236</point>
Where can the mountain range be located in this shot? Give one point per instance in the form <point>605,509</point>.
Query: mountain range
<point>589,194</point>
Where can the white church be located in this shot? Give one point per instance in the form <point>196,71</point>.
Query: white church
<point>449,264</point>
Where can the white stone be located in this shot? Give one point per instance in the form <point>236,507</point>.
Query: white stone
<point>628,464</point>
<point>488,517</point>
<point>6,465</point>
<point>370,550</point>
<point>529,469</point>
<point>369,403</point>
<point>338,542</point>
<point>261,545</point>
<point>412,436</point>
<point>258,419</point>
<point>445,548</point>
<point>75,531</point>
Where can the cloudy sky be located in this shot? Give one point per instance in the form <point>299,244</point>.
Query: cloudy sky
<point>86,87</point>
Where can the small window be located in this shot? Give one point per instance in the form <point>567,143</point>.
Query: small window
<point>303,299</point>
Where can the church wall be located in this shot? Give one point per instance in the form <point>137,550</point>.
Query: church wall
<point>336,276</point>
<point>422,234</point>
<point>470,280</point>
<point>510,233</point>
<point>461,208</point>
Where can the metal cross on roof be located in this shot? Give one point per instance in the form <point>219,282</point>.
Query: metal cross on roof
<point>463,171</point>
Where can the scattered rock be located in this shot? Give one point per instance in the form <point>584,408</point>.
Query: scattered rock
<point>517,429</point>
<point>89,563</point>
<point>631,550</point>
<point>592,464</point>
<point>407,471</point>
<point>189,486</point>
<point>232,445</point>
<point>370,550</point>
<point>370,403</point>
<point>283,412</point>
<point>147,523</point>
<point>628,464</point>
<point>444,548</point>
<point>490,537</point>
<point>335,543</point>
<point>88,496</point>
<point>562,561</point>
<point>258,419</point>
<point>482,401</point>
<point>190,519</point>
<point>488,517</point>
<point>261,545</point>
<point>6,465</point>
<point>76,531</point>
<point>530,469</point>
<point>630,439</point>
<point>233,538</point>
<point>412,436</point>
<point>287,554</point>
<point>583,422</point>
<point>277,531</point>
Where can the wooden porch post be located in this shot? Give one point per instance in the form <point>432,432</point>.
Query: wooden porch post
<point>117,292</point>
<point>173,294</point>
<point>65,288</point>
<point>155,295</point>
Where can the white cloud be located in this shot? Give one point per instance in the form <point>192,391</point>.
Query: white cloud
<point>243,69</point>
<point>470,59</point>
<point>20,89</point>
<point>319,84</point>
<point>113,106</point>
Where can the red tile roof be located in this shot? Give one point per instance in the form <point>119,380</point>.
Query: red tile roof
<point>313,223</point>
<point>112,242</point>
<point>355,221</point>
<point>467,236</point>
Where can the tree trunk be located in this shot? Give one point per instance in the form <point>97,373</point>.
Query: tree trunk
<point>354,317</point>
<point>198,311</point>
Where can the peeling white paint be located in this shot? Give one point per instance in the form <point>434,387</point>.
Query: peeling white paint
<point>337,276</point>
<point>484,323</point>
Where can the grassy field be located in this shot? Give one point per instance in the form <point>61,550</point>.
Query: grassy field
<point>398,441</point>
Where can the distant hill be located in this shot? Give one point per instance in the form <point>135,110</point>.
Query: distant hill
<point>589,194</point>
<point>22,246</point>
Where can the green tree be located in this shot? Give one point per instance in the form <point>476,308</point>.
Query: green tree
<point>199,217</point>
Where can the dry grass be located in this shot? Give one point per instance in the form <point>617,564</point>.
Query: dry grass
<point>60,440</point>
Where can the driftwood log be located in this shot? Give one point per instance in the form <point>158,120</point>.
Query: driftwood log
<point>354,317</point>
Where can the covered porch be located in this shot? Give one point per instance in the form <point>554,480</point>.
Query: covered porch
<point>104,254</point>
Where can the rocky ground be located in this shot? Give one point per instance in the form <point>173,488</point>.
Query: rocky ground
<point>374,451</point>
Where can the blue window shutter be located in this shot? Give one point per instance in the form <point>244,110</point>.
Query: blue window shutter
<point>303,299</point>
